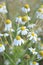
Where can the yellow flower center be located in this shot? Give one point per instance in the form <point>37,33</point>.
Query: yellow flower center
<point>26,6</point>
<point>33,34</point>
<point>23,28</point>
<point>33,50</point>
<point>18,37</point>
<point>0,45</point>
<point>24,18</point>
<point>40,10</point>
<point>0,6</point>
<point>41,53</point>
<point>34,63</point>
<point>8,21</point>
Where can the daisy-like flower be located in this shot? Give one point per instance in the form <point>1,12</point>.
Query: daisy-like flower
<point>2,48</point>
<point>19,60</point>
<point>39,13</point>
<point>5,34</point>
<point>8,25</point>
<point>3,8</point>
<point>18,41</point>
<point>26,8</point>
<point>34,63</point>
<point>40,55</point>
<point>32,36</point>
<point>7,62</point>
<point>22,30</point>
<point>1,34</point>
<point>33,50</point>
<point>18,19</point>
<point>25,19</point>
<point>31,25</point>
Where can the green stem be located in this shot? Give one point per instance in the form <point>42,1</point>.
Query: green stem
<point>9,58</point>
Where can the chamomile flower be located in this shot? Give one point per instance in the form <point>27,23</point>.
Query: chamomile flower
<point>2,48</point>
<point>18,19</point>
<point>8,25</point>
<point>32,36</point>
<point>5,34</point>
<point>12,30</point>
<point>40,54</point>
<point>1,34</point>
<point>26,8</point>
<point>19,60</point>
<point>33,50</point>
<point>7,62</point>
<point>18,41</point>
<point>39,13</point>
<point>3,9</point>
<point>25,19</point>
<point>22,30</point>
<point>34,63</point>
<point>31,25</point>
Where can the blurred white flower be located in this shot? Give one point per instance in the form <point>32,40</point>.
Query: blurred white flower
<point>1,34</point>
<point>18,19</point>
<point>22,30</point>
<point>3,9</point>
<point>31,25</point>
<point>33,50</point>
<point>6,34</point>
<point>12,30</point>
<point>34,63</point>
<point>19,60</point>
<point>8,25</point>
<point>2,48</point>
<point>32,36</point>
<point>25,19</point>
<point>26,8</point>
<point>18,41</point>
<point>39,13</point>
<point>40,55</point>
<point>6,62</point>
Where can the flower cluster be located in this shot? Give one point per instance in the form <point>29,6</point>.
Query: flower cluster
<point>24,41</point>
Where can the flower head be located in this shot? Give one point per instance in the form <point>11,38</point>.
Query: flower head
<point>41,53</point>
<point>26,8</point>
<point>2,48</point>
<point>32,36</point>
<point>39,13</point>
<point>22,30</point>
<point>8,21</point>
<point>25,19</point>
<point>3,8</point>
<point>18,41</point>
<point>33,50</point>
<point>8,25</point>
<point>34,63</point>
<point>18,19</point>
